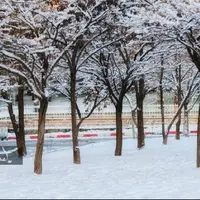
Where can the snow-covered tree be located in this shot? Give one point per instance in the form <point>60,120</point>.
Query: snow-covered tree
<point>191,81</point>
<point>87,87</point>
<point>31,47</point>
<point>174,21</point>
<point>27,53</point>
<point>88,21</point>
<point>34,39</point>
<point>119,68</point>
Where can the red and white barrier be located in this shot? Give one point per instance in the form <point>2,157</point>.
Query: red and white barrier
<point>89,135</point>
<point>193,131</point>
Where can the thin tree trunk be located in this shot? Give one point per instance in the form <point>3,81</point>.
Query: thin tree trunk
<point>32,97</point>
<point>21,141</point>
<point>179,109</point>
<point>118,149</point>
<point>76,150</point>
<point>133,115</point>
<point>198,139</point>
<point>15,124</point>
<point>186,121</point>
<point>134,122</point>
<point>41,132</point>
<point>163,122</point>
<point>178,123</point>
<point>162,106</point>
<point>140,118</point>
<point>140,125</point>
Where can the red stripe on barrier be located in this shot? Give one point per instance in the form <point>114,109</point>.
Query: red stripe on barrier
<point>12,138</point>
<point>63,136</point>
<point>193,131</point>
<point>33,137</point>
<point>90,135</point>
<point>147,133</point>
<point>172,132</point>
<point>114,134</point>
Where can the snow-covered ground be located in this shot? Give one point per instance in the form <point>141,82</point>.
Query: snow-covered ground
<point>157,171</point>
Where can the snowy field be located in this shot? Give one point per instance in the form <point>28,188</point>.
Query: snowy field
<point>156,171</point>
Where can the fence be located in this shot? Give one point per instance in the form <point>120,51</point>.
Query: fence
<point>60,112</point>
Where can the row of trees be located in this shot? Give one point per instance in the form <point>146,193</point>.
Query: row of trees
<point>104,51</point>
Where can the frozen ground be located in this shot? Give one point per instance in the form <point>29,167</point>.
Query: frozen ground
<point>156,171</point>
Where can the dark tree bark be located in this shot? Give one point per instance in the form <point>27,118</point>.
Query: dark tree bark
<point>119,137</point>
<point>32,97</point>
<point>198,139</point>
<point>41,132</point>
<point>140,119</point>
<point>162,105</point>
<point>76,150</point>
<point>186,120</point>
<point>42,117</point>
<point>179,98</point>
<point>21,138</point>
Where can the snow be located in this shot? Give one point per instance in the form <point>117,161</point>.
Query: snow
<point>157,171</point>
<point>5,100</point>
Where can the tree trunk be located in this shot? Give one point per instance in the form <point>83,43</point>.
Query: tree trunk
<point>179,98</point>
<point>140,118</point>
<point>32,97</point>
<point>41,132</point>
<point>140,125</point>
<point>186,121</point>
<point>133,131</point>
<point>162,106</point>
<point>177,112</point>
<point>21,139</point>
<point>134,123</point>
<point>76,150</point>
<point>118,149</point>
<point>178,124</point>
<point>198,139</point>
<point>14,122</point>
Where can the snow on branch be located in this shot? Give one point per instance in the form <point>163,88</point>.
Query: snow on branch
<point>5,101</point>
<point>23,76</point>
<point>12,56</point>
